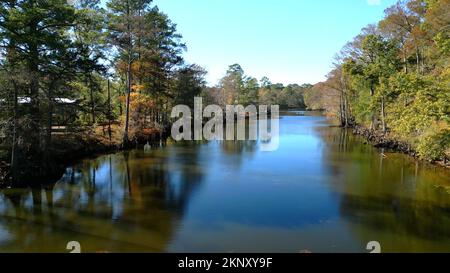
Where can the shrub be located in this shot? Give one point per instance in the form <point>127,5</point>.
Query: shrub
<point>434,146</point>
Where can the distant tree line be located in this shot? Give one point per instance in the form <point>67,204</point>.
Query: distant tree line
<point>237,88</point>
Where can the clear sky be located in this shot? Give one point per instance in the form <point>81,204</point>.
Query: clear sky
<point>290,41</point>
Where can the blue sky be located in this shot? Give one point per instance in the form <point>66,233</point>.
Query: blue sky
<point>290,41</point>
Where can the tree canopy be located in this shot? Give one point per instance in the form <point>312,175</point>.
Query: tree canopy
<point>394,78</point>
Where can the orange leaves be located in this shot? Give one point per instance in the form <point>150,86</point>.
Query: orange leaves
<point>138,87</point>
<point>141,102</point>
<point>121,67</point>
<point>142,113</point>
<point>139,71</point>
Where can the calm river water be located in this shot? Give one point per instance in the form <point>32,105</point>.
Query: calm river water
<point>323,190</point>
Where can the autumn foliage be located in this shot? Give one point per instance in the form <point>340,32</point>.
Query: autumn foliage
<point>142,118</point>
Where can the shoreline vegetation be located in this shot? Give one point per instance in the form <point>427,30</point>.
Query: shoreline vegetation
<point>71,148</point>
<point>82,79</point>
<point>391,83</point>
<point>382,141</point>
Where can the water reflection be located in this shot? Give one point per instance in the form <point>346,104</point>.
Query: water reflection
<point>323,190</point>
<point>130,201</point>
<point>389,196</point>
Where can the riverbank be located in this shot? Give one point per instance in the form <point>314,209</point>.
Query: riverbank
<point>380,140</point>
<point>66,150</point>
<point>69,148</point>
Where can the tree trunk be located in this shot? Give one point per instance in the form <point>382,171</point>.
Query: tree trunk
<point>405,61</point>
<point>346,112</point>
<point>34,130</point>
<point>14,159</point>
<point>48,138</point>
<point>383,115</point>
<point>128,93</point>
<point>372,93</point>
<point>418,60</point>
<point>127,106</point>
<point>341,109</point>
<point>109,111</point>
<point>91,92</point>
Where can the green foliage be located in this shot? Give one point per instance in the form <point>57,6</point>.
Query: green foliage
<point>442,41</point>
<point>396,77</point>
<point>237,88</point>
<point>434,146</point>
<point>249,93</point>
<point>363,108</point>
<point>69,68</point>
<point>419,103</point>
<point>291,96</point>
<point>188,83</point>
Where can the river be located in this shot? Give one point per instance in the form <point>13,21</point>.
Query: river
<point>323,190</point>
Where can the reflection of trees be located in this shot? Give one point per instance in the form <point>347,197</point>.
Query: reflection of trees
<point>238,151</point>
<point>395,219</point>
<point>125,202</point>
<point>172,176</point>
<point>239,147</point>
<point>21,209</point>
<point>387,196</point>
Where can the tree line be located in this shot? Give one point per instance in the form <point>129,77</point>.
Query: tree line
<point>394,78</point>
<point>79,73</point>
<point>237,88</point>
<point>70,69</point>
<point>67,67</point>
